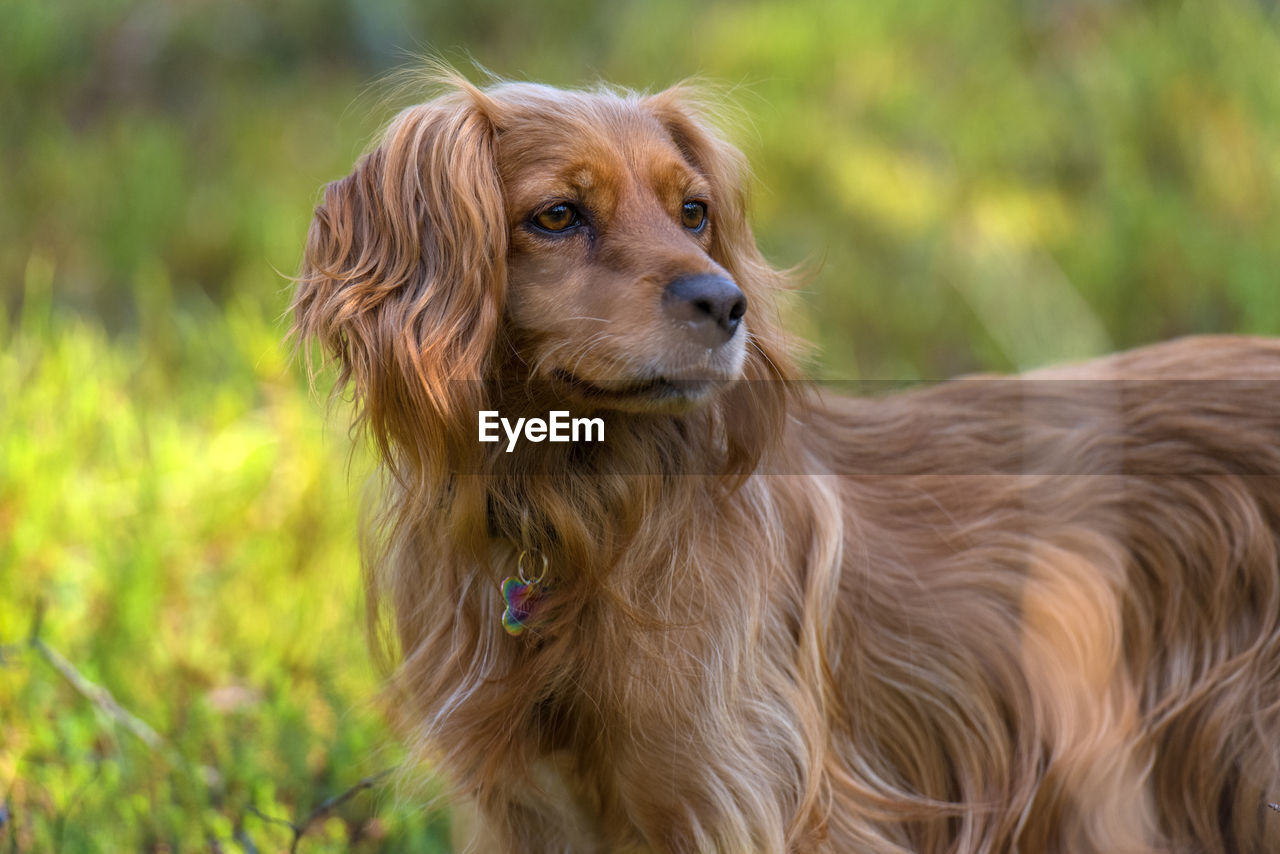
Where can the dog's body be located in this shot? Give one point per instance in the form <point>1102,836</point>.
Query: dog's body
<point>1036,616</point>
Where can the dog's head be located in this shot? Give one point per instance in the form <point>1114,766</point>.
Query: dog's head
<point>590,242</point>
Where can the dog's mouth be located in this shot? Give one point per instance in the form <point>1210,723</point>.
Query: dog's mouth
<point>646,393</point>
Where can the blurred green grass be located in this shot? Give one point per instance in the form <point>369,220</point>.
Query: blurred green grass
<point>989,185</point>
<point>187,526</point>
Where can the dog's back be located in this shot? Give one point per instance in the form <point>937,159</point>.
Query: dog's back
<point>1060,605</point>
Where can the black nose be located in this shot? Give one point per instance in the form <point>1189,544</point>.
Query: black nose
<point>712,305</point>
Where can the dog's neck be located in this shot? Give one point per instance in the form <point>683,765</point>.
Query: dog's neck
<point>561,502</point>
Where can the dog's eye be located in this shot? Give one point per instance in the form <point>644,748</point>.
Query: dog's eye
<point>693,215</point>
<point>559,217</point>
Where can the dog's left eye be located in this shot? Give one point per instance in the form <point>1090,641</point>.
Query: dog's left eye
<point>693,215</point>
<point>556,218</point>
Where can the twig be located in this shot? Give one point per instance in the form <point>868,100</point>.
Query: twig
<point>300,829</point>
<point>104,700</point>
<point>246,844</point>
<point>96,694</point>
<point>339,799</point>
<point>271,819</point>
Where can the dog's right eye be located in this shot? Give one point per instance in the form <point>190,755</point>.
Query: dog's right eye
<point>560,217</point>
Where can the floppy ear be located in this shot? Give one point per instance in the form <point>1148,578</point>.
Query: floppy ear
<point>404,276</point>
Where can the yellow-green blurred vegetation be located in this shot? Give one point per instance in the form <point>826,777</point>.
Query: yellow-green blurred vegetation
<point>977,185</point>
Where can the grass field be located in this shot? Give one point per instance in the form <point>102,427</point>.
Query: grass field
<point>183,530</point>
<point>986,185</point>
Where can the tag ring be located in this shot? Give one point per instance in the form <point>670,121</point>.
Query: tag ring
<point>520,567</point>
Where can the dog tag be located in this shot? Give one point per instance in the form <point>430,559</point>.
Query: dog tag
<point>521,597</point>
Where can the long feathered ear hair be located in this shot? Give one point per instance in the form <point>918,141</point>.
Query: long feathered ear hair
<point>403,281</point>
<point>755,409</point>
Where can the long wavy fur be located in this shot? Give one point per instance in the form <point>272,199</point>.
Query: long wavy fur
<point>980,617</point>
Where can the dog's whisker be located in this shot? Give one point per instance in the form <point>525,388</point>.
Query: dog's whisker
<point>588,348</point>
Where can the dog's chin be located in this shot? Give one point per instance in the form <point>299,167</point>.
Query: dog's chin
<point>680,383</point>
<point>655,394</point>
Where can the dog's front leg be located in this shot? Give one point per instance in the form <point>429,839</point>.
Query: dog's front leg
<point>549,809</point>
<point>701,769</point>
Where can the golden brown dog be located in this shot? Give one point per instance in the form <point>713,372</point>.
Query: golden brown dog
<point>1036,615</point>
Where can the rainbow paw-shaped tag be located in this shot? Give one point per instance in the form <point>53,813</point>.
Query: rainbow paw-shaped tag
<point>521,595</point>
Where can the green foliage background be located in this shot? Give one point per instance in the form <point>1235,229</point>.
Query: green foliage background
<point>978,185</point>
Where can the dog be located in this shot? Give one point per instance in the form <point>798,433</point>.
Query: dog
<point>1030,614</point>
